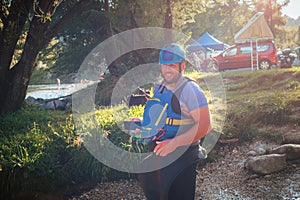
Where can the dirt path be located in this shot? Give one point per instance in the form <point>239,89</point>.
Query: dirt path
<point>225,178</point>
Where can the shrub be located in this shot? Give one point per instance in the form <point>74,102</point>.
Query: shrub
<point>43,151</point>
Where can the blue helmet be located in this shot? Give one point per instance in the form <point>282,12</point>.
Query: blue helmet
<point>171,53</point>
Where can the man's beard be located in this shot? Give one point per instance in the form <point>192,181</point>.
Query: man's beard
<point>173,80</point>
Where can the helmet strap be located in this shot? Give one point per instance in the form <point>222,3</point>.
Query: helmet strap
<point>180,68</point>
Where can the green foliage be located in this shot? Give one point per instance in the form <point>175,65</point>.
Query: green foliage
<point>108,117</point>
<point>42,76</point>
<point>275,112</point>
<point>28,156</point>
<point>241,129</point>
<point>44,152</point>
<point>104,90</point>
<point>136,111</point>
<point>23,150</point>
<point>271,135</point>
<point>287,37</point>
<point>111,121</point>
<point>133,14</point>
<point>184,12</point>
<point>222,19</point>
<point>98,21</point>
<point>258,99</point>
<point>22,120</point>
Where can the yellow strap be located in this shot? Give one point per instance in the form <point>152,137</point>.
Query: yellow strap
<point>177,122</point>
<point>155,99</point>
<point>161,114</point>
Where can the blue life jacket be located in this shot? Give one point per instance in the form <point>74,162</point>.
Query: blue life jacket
<point>172,97</point>
<point>161,111</point>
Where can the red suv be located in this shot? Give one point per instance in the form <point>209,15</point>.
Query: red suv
<point>239,56</point>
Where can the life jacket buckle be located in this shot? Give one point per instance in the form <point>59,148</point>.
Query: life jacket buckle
<point>160,134</point>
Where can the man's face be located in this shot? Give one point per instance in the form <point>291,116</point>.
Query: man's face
<point>171,72</point>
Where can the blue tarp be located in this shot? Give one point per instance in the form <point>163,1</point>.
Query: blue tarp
<point>207,42</point>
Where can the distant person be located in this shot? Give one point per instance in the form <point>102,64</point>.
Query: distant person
<point>58,83</point>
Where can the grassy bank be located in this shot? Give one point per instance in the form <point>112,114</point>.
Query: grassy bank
<point>262,103</point>
<point>41,151</point>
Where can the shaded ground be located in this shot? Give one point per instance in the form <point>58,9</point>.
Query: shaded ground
<point>225,178</point>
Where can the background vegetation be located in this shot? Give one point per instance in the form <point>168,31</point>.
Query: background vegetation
<point>222,19</point>
<point>96,20</point>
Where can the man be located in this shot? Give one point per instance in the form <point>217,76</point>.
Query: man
<point>176,148</point>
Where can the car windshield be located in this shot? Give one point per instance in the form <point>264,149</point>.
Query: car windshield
<point>230,52</point>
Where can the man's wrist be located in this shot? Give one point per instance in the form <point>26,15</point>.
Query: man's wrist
<point>175,142</point>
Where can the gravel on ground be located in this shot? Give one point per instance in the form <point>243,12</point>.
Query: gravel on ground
<point>224,178</point>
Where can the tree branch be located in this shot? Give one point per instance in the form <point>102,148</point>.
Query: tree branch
<point>2,16</point>
<point>11,31</point>
<point>66,19</point>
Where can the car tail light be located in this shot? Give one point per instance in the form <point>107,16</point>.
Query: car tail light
<point>273,57</point>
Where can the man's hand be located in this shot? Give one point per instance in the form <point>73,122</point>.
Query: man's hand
<point>136,131</point>
<point>165,147</point>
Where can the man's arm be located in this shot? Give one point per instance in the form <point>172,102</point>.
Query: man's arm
<point>201,127</point>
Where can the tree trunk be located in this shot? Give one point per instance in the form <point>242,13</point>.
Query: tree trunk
<point>19,75</point>
<point>13,26</point>
<point>168,22</point>
<point>18,83</point>
<point>12,29</point>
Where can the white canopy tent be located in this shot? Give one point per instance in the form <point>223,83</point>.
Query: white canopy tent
<point>256,29</point>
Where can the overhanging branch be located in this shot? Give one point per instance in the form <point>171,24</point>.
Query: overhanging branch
<point>3,18</point>
<point>65,19</point>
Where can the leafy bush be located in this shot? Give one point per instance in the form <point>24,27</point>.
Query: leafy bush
<point>111,121</point>
<point>42,150</point>
<point>31,154</point>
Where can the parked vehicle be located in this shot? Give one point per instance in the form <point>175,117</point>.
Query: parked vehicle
<point>286,58</point>
<point>260,55</point>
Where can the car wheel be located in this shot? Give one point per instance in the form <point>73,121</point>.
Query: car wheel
<point>264,64</point>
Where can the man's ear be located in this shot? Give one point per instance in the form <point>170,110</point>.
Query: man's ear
<point>182,66</point>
